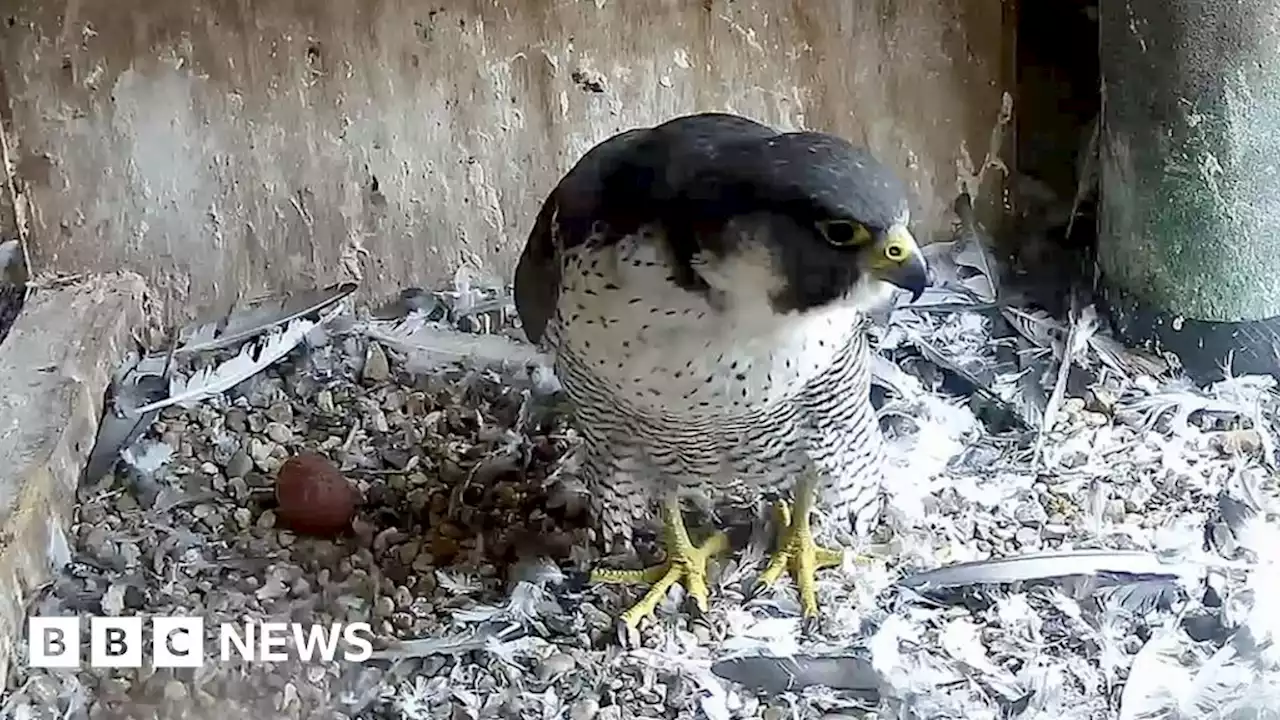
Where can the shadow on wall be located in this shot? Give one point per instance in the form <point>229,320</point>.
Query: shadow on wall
<point>1059,99</point>
<point>235,147</point>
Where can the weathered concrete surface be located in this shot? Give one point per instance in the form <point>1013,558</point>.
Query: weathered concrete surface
<point>54,370</point>
<point>1191,211</point>
<point>233,146</point>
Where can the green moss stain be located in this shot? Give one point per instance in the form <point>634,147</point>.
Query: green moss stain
<point>1191,160</point>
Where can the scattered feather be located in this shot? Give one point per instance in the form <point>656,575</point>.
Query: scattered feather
<point>1082,328</point>
<point>1045,566</point>
<point>972,253</point>
<point>257,317</point>
<point>252,359</point>
<point>147,457</point>
<point>430,345</point>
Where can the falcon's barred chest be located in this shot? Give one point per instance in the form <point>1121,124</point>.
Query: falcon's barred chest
<point>668,389</point>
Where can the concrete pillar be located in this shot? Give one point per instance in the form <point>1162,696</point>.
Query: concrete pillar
<point>1189,227</point>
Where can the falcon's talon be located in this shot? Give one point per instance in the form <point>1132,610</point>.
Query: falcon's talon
<point>809,626</point>
<point>628,636</point>
<point>686,564</point>
<point>799,553</point>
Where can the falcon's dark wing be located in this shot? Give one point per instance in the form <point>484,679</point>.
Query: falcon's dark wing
<point>622,183</point>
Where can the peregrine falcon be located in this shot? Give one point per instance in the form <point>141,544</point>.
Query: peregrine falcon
<point>702,286</point>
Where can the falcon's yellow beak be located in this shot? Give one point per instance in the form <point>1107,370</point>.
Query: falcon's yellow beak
<point>895,258</point>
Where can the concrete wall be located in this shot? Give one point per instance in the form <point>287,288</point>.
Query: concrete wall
<point>242,145</point>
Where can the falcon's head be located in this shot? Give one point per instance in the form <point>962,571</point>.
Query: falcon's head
<point>817,220</point>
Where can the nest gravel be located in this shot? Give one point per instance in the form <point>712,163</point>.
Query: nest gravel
<point>469,550</point>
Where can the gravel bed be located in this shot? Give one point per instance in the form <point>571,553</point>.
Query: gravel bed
<point>469,547</point>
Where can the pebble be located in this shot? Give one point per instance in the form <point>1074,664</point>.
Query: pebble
<point>127,503</point>
<point>281,413</point>
<point>557,664</point>
<point>384,607</point>
<point>376,368</point>
<point>1055,531</point>
<point>1096,419</point>
<point>279,432</point>
<point>416,404</point>
<point>130,554</point>
<point>324,402</point>
<point>1027,537</point>
<point>585,708</point>
<point>260,452</point>
<point>175,691</point>
<point>393,400</point>
<point>1030,512</point>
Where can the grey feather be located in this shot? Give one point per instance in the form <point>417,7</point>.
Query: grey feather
<point>1045,566</point>
<point>1086,170</point>
<point>1142,597</point>
<point>429,344</point>
<point>1082,328</point>
<point>252,359</point>
<point>459,643</point>
<point>1036,326</point>
<point>851,673</point>
<point>140,385</point>
<point>257,317</point>
<point>972,253</point>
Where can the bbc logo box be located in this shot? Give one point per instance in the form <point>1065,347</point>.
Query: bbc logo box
<point>57,642</point>
<point>177,642</point>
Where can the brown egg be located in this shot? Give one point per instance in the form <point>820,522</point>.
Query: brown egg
<point>314,498</point>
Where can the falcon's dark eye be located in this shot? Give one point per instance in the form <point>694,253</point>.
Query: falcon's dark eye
<point>843,233</point>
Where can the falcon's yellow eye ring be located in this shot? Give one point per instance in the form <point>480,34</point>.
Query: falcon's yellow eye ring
<point>843,233</point>
<point>895,252</point>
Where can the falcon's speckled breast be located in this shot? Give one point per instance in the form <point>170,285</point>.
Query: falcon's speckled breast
<point>729,399</point>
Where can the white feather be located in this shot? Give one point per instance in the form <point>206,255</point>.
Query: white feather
<point>430,345</point>
<point>253,358</point>
<point>1154,678</point>
<point>1078,336</point>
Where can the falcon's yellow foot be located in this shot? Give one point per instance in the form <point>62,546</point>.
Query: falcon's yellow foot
<point>799,553</point>
<point>686,563</point>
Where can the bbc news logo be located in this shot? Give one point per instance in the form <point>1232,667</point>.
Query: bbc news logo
<point>178,642</point>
